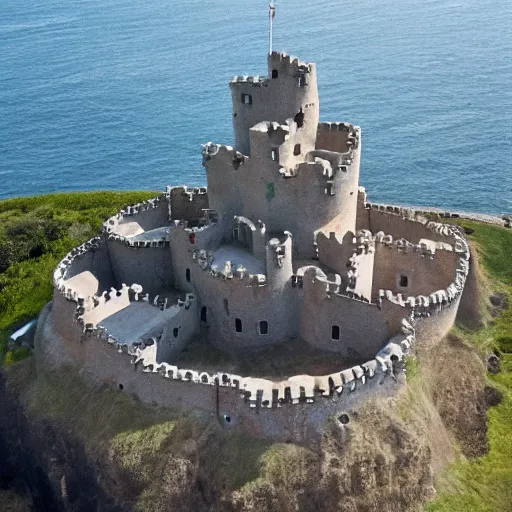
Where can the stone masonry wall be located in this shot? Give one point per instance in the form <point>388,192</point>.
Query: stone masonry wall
<point>188,203</point>
<point>151,267</point>
<point>425,274</point>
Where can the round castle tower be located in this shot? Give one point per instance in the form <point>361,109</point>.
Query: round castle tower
<point>289,91</point>
<point>288,170</point>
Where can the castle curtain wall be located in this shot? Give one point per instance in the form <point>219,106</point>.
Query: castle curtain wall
<point>150,217</point>
<point>431,330</point>
<point>300,423</point>
<point>151,267</point>
<point>363,327</point>
<point>398,227</point>
<point>97,262</point>
<point>424,275</point>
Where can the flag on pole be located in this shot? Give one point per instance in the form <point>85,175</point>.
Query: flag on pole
<point>272,10</point>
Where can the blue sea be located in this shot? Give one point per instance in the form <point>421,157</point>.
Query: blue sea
<point>98,94</point>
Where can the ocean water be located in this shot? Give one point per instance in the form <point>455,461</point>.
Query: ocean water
<point>121,94</point>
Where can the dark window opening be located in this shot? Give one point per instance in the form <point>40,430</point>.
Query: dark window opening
<point>275,155</point>
<point>227,418</point>
<point>296,149</point>
<point>299,118</point>
<point>343,419</point>
<point>335,332</point>
<point>176,331</point>
<point>238,325</point>
<point>121,387</point>
<point>275,73</point>
<point>203,314</point>
<point>301,82</point>
<point>187,275</point>
<point>226,306</point>
<point>234,114</point>
<point>263,327</point>
<point>404,281</point>
<point>246,99</point>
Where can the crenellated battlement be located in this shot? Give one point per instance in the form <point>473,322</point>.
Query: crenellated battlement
<point>211,150</point>
<point>231,271</point>
<point>263,393</point>
<point>192,193</point>
<point>289,62</point>
<point>425,306</point>
<point>256,80</point>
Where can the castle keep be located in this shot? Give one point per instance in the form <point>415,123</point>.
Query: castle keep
<point>282,244</point>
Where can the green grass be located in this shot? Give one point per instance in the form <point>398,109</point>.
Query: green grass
<point>35,233</point>
<point>485,484</point>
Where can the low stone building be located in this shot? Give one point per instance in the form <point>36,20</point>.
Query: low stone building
<point>282,244</point>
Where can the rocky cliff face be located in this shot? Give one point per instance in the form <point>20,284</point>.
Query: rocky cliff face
<point>44,461</point>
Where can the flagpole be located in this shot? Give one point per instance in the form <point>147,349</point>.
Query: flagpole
<point>271,14</point>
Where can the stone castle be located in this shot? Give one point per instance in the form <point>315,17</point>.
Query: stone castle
<point>282,244</point>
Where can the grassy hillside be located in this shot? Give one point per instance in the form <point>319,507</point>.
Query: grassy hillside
<point>35,233</point>
<point>485,484</point>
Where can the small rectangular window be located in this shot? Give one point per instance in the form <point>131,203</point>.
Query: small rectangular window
<point>403,281</point>
<point>335,332</point>
<point>296,149</point>
<point>275,73</point>
<point>187,275</point>
<point>238,325</point>
<point>301,82</point>
<point>246,99</point>
<point>274,154</point>
<point>263,327</point>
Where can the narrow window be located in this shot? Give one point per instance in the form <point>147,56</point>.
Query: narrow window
<point>187,275</point>
<point>204,315</point>
<point>226,306</point>
<point>263,327</point>
<point>246,99</point>
<point>404,281</point>
<point>299,118</point>
<point>274,154</point>
<point>175,332</point>
<point>238,325</point>
<point>275,73</point>
<point>296,149</point>
<point>335,332</point>
<point>301,81</point>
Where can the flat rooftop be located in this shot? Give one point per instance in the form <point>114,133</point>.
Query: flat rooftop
<point>238,258</point>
